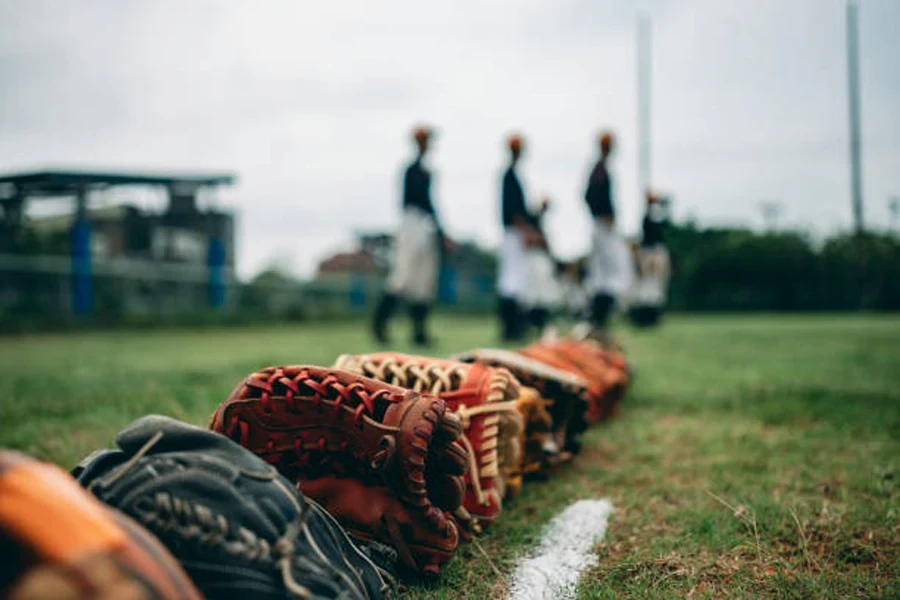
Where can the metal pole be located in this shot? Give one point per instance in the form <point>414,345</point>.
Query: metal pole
<point>82,293</point>
<point>644,64</point>
<point>853,90</point>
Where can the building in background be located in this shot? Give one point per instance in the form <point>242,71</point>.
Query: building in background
<point>111,260</point>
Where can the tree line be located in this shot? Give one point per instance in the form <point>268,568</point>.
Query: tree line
<point>720,269</point>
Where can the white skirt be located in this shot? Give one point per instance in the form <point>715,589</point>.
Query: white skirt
<point>416,258</point>
<point>610,264</point>
<point>542,289</point>
<point>654,268</point>
<point>512,277</point>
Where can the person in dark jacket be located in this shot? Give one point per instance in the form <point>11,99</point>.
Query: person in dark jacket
<point>654,223</point>
<point>650,291</point>
<point>417,251</point>
<point>518,233</point>
<point>609,266</point>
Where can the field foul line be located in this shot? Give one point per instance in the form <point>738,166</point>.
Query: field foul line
<point>552,570</point>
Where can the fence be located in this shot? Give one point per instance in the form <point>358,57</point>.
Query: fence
<point>43,290</point>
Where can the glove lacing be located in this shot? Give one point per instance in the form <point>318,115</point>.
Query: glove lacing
<point>279,387</point>
<point>436,379</point>
<point>195,522</point>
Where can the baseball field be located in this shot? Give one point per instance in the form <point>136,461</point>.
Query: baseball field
<point>754,455</point>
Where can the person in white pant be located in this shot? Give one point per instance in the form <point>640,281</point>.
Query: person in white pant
<point>610,268</point>
<point>542,293</point>
<point>650,291</point>
<point>418,247</point>
<point>518,235</point>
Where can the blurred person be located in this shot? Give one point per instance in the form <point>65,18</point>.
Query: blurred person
<point>519,234</point>
<point>541,293</point>
<point>609,263</point>
<point>653,266</point>
<point>653,225</point>
<point>574,300</point>
<point>418,248</point>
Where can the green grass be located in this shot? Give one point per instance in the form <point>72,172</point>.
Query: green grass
<point>755,456</point>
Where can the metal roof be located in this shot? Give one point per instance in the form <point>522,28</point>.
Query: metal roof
<point>62,181</point>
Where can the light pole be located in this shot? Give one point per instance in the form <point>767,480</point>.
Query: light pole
<point>853,93</point>
<point>644,68</point>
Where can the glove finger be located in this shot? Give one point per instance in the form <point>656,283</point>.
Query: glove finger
<point>452,459</point>
<point>447,492</point>
<point>447,430</point>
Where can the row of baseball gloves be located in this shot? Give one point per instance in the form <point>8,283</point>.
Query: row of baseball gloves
<point>406,454</point>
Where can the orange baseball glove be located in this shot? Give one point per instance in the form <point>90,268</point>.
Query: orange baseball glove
<point>58,541</point>
<point>604,370</point>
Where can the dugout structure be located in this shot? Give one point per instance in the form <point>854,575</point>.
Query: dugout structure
<point>101,256</point>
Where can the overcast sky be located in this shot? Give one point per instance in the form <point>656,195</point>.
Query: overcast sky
<point>311,104</point>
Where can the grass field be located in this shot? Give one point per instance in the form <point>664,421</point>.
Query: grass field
<point>755,456</point>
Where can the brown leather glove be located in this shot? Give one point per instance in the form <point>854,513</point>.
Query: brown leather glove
<point>385,461</point>
<point>484,399</point>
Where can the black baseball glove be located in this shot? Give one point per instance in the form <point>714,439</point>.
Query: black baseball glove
<point>239,529</point>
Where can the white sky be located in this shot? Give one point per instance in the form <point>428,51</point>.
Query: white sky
<point>311,104</point>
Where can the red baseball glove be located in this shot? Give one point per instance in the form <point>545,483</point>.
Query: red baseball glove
<point>383,460</point>
<point>484,399</point>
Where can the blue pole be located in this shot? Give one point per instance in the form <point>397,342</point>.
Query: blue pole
<point>357,290</point>
<point>216,263</point>
<point>81,266</point>
<point>447,285</point>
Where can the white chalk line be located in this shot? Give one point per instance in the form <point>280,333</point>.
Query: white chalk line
<point>552,570</point>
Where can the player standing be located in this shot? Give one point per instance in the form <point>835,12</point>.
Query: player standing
<point>417,250</point>
<point>653,265</point>
<point>609,263</point>
<point>518,234</point>
<point>542,291</point>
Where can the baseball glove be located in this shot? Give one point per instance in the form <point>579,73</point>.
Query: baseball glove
<point>385,461</point>
<point>566,390</point>
<point>238,527</point>
<point>604,370</point>
<point>536,438</point>
<point>484,399</point>
<point>57,541</point>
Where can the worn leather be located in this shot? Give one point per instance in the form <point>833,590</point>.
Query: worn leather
<point>484,399</point>
<point>239,528</point>
<point>385,461</point>
<point>605,370</point>
<point>566,391</point>
<point>60,542</point>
